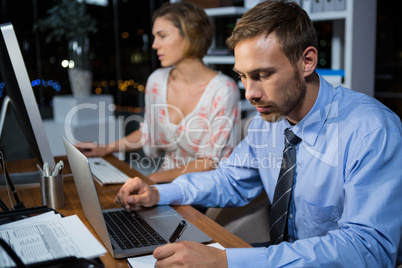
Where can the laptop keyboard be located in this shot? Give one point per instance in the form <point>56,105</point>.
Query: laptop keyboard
<point>130,230</point>
<point>105,172</point>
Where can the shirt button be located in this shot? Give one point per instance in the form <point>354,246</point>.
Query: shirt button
<point>291,216</point>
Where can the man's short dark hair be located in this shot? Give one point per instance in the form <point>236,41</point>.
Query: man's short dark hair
<point>287,20</point>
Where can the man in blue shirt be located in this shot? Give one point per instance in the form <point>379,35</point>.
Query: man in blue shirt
<point>346,203</point>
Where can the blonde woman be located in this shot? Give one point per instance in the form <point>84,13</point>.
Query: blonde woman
<point>191,112</point>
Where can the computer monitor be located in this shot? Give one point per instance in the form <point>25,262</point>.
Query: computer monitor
<point>20,93</point>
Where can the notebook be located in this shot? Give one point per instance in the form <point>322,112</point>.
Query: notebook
<point>162,219</point>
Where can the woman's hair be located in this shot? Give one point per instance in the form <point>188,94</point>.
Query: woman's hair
<point>193,24</point>
<point>288,21</point>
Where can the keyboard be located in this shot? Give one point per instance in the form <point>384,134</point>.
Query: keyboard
<point>130,230</point>
<point>106,173</point>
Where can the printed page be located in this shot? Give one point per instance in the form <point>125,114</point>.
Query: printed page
<point>49,240</point>
<point>44,217</point>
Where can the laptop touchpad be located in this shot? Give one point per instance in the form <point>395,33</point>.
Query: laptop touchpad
<point>166,223</point>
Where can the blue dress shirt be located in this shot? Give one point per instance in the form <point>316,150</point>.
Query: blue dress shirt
<point>347,197</point>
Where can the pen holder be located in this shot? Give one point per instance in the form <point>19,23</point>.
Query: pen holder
<point>52,191</point>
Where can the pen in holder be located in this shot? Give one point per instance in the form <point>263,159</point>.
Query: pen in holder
<point>52,187</point>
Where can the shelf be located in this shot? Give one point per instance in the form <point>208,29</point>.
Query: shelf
<point>328,15</point>
<point>225,11</point>
<point>238,11</point>
<point>329,72</point>
<point>219,59</point>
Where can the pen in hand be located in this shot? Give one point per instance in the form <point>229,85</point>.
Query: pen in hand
<point>178,232</point>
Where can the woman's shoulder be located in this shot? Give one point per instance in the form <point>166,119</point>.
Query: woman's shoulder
<point>221,77</point>
<point>224,84</point>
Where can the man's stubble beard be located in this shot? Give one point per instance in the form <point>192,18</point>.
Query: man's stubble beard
<point>294,96</point>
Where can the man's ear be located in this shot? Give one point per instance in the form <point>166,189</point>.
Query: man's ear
<point>309,56</point>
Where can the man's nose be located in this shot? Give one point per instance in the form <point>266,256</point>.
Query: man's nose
<point>253,90</point>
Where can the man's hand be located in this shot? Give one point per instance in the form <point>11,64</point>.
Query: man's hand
<point>189,254</point>
<point>136,192</point>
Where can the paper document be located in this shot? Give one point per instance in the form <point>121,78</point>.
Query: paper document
<point>148,261</point>
<point>48,216</point>
<point>37,241</point>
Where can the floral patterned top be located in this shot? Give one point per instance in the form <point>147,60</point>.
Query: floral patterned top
<point>210,130</point>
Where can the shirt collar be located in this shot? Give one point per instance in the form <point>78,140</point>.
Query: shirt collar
<point>310,126</point>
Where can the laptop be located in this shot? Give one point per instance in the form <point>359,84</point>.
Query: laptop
<point>159,222</point>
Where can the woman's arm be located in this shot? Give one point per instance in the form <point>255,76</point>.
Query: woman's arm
<point>131,142</point>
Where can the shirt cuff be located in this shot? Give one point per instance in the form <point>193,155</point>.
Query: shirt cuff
<point>169,194</point>
<point>246,257</point>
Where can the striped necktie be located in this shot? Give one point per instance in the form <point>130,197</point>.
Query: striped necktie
<point>283,190</point>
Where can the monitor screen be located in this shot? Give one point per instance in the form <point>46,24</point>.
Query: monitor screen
<point>20,92</point>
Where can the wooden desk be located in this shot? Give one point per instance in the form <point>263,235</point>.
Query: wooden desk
<point>30,196</point>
